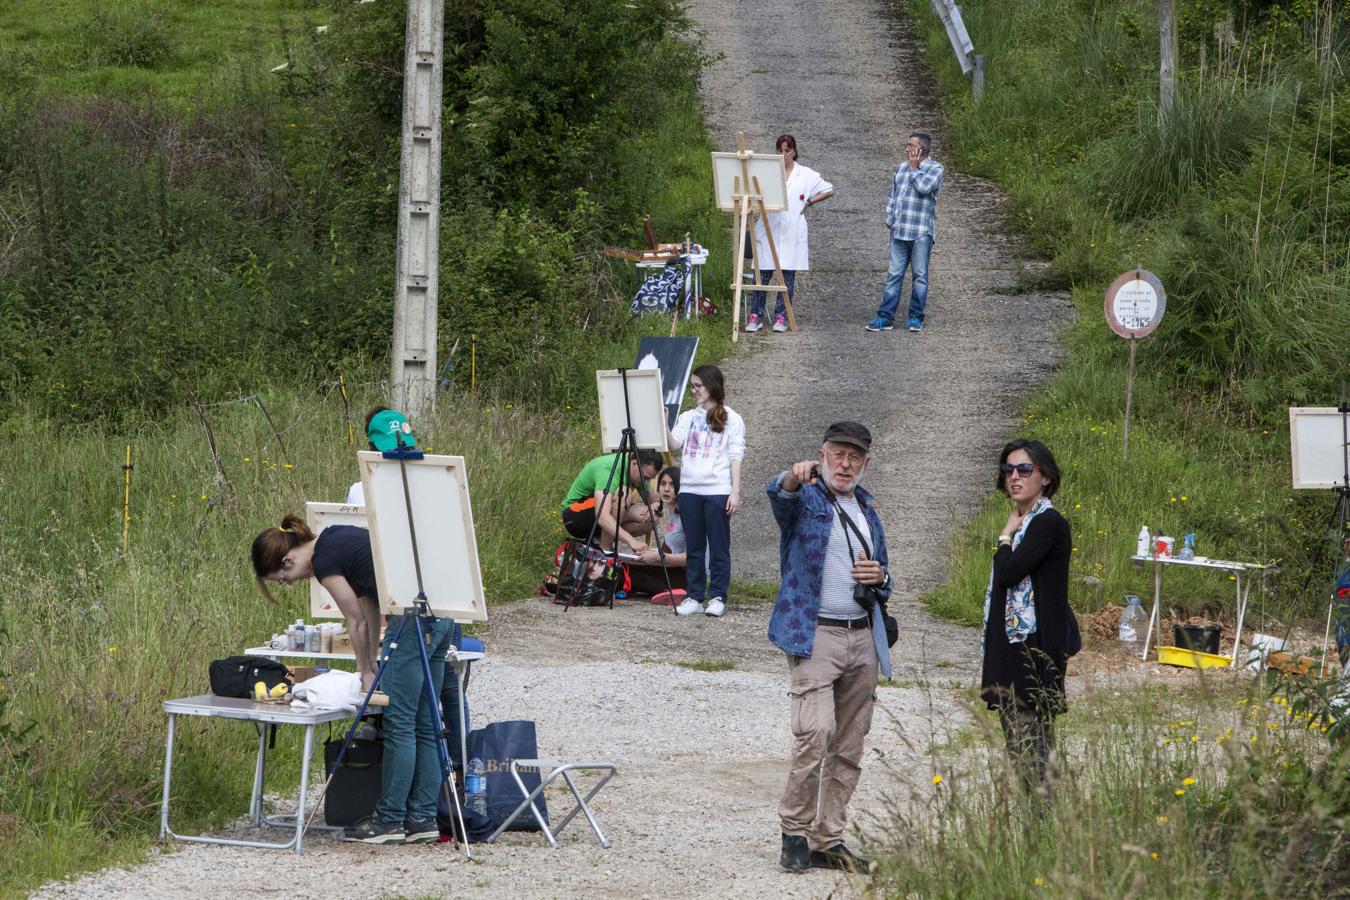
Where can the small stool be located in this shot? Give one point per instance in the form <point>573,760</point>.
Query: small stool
<point>555,770</point>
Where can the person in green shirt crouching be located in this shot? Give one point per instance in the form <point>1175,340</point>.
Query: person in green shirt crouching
<point>583,510</point>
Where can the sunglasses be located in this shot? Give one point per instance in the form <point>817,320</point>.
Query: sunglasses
<point>1023,469</point>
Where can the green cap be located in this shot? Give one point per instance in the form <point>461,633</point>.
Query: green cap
<point>385,429</point>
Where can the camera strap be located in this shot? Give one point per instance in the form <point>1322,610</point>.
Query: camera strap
<point>848,523</point>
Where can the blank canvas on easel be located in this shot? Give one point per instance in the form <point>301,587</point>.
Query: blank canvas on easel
<point>767,167</point>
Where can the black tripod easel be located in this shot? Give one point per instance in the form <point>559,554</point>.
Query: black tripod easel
<point>421,616</point>
<point>591,552</point>
<point>1339,517</point>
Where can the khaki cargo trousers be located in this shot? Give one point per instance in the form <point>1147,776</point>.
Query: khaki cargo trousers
<point>833,691</point>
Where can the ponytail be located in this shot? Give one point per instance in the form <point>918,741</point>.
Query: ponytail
<point>271,547</point>
<point>715,384</point>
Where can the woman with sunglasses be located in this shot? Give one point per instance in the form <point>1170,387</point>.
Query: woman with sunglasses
<point>1029,629</point>
<point>711,441</point>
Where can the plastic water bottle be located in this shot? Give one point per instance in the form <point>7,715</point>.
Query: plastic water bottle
<point>1188,547</point>
<point>1145,545</point>
<point>475,786</point>
<point>1132,619</point>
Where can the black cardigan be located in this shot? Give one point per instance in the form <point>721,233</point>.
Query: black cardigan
<point>1043,553</point>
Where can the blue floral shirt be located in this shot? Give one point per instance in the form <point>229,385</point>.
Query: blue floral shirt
<point>805,518</point>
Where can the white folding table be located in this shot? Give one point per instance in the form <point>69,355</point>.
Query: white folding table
<point>1237,569</point>
<point>458,660</point>
<point>261,714</point>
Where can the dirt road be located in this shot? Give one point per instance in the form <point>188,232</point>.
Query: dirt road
<point>702,753</point>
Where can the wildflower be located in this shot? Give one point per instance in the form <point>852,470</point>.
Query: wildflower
<point>1188,781</point>
<point>1038,881</point>
<point>288,466</point>
<point>1183,498</point>
<point>1195,739</point>
<point>112,649</point>
<point>1180,792</point>
<point>1078,506</point>
<point>937,779</point>
<point>1154,854</point>
<point>203,496</point>
<point>248,459</point>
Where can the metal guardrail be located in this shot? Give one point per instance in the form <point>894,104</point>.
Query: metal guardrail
<point>971,63</point>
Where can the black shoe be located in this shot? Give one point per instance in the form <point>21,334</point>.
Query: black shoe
<point>370,831</point>
<point>421,831</point>
<point>796,855</point>
<point>841,858</point>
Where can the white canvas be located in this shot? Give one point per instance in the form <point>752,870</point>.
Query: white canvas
<point>646,406</point>
<point>1317,447</point>
<point>767,167</point>
<point>319,516</point>
<point>446,541</point>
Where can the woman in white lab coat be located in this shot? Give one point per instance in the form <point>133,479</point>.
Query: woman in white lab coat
<point>805,188</point>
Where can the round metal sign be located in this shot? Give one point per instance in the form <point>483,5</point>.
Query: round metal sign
<point>1135,303</point>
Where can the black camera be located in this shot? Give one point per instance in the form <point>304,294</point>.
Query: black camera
<point>865,595</point>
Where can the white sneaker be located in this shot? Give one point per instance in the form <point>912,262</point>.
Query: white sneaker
<point>753,323</point>
<point>715,607</point>
<point>689,607</point>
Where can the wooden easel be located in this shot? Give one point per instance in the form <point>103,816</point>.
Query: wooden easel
<point>749,203</point>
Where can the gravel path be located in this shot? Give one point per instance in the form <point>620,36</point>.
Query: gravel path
<point>702,755</point>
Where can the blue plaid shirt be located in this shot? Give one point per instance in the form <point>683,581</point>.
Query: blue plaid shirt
<point>805,518</point>
<point>912,210</point>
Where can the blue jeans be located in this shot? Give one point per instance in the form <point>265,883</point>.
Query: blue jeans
<point>707,528</point>
<point>412,764</point>
<point>914,255</point>
<point>757,299</point>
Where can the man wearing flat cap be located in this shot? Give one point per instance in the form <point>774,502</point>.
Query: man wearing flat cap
<point>829,619</point>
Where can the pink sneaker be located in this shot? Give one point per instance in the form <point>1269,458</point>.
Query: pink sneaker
<point>780,323</point>
<point>753,323</point>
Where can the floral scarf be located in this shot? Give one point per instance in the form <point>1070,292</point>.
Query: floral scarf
<point>1019,609</point>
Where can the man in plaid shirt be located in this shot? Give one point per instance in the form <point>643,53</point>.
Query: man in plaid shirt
<point>911,217</point>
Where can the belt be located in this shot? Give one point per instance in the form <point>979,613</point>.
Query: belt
<point>844,623</point>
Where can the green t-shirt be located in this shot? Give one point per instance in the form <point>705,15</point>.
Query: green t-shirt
<point>592,479</point>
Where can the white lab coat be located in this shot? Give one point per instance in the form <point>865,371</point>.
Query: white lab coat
<point>789,227</point>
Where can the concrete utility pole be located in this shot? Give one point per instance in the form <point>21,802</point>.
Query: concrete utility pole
<point>1167,66</point>
<point>413,379</point>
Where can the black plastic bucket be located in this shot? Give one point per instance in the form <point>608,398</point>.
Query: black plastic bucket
<point>1204,638</point>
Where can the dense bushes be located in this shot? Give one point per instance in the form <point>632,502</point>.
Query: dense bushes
<point>252,235</point>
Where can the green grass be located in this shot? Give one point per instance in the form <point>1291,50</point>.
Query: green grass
<point>708,665</point>
<point>91,47</point>
<point>1227,201</point>
<point>1224,788</point>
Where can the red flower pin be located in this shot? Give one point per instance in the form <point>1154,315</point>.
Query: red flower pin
<point>801,196</point>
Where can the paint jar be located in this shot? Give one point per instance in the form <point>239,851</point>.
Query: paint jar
<point>312,643</point>
<point>1163,547</point>
<point>326,638</point>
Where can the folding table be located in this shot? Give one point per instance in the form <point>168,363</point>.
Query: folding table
<point>211,706</point>
<point>1237,569</point>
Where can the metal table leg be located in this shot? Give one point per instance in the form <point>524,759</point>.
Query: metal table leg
<point>1157,604</point>
<point>168,777</point>
<point>1242,589</point>
<point>255,807</point>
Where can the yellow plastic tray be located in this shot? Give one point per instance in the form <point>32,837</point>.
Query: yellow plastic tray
<point>1192,659</point>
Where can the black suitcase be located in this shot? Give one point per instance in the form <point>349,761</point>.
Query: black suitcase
<point>356,785</point>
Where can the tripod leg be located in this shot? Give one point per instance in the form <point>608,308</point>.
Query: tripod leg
<point>356,722</point>
<point>595,526</point>
<point>433,699</point>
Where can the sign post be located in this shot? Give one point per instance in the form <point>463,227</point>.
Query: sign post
<point>1135,302</point>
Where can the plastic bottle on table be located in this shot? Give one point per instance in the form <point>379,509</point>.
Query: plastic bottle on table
<point>1188,547</point>
<point>475,786</point>
<point>1145,545</point>
<point>1132,620</point>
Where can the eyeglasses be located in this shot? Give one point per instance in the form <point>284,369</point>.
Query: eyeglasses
<point>695,386</point>
<point>1023,469</point>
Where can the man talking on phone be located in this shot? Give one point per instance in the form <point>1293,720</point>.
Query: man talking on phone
<point>829,619</point>
<point>911,218</point>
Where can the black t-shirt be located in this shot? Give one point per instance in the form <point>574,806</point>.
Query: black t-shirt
<point>345,550</point>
